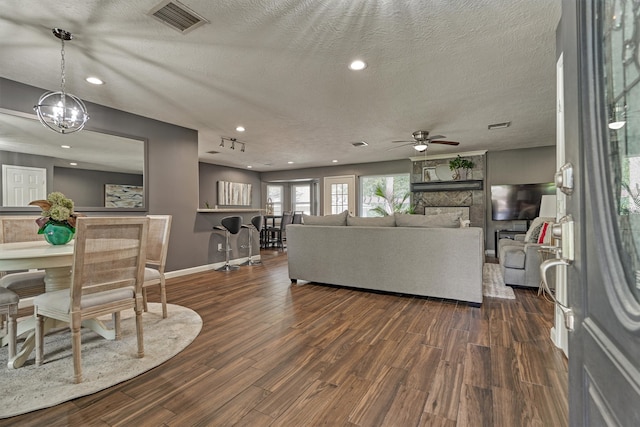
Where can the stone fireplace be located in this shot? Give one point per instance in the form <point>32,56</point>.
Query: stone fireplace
<point>446,192</point>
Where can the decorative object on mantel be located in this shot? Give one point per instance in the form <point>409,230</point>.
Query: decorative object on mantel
<point>461,167</point>
<point>58,220</point>
<point>60,111</point>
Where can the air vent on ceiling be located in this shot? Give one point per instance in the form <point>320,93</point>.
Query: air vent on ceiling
<point>177,16</point>
<point>213,152</point>
<point>359,144</point>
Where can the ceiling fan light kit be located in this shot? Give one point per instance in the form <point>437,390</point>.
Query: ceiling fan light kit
<point>60,111</point>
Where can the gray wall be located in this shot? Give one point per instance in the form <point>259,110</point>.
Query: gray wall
<point>86,187</point>
<point>524,166</point>
<point>210,175</point>
<point>172,178</point>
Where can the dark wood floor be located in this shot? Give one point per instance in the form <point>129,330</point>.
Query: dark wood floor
<point>272,354</point>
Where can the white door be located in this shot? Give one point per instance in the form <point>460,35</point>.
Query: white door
<point>600,237</point>
<point>339,194</point>
<point>21,185</point>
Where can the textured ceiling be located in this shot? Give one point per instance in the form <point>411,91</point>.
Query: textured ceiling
<point>279,68</point>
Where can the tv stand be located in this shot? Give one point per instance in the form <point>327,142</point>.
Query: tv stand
<point>505,234</point>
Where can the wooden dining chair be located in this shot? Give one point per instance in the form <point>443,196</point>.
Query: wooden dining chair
<point>107,276</point>
<point>9,309</point>
<point>157,245</point>
<point>27,284</point>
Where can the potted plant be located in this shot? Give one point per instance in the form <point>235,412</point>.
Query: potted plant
<point>461,167</point>
<point>58,220</point>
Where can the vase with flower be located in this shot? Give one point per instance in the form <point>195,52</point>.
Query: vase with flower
<point>58,220</point>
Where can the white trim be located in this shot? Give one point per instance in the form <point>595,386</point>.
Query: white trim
<point>448,156</point>
<point>207,267</point>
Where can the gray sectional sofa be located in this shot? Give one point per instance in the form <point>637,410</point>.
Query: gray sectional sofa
<point>410,258</point>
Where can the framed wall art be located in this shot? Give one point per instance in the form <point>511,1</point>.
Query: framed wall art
<point>234,194</point>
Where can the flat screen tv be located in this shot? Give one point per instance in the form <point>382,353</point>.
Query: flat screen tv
<point>518,201</point>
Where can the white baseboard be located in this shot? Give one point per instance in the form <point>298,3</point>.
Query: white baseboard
<point>207,267</point>
<point>490,252</point>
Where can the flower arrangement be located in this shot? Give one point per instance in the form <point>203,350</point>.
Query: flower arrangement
<point>57,209</point>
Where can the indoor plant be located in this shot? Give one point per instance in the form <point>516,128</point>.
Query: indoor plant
<point>460,167</point>
<point>58,220</point>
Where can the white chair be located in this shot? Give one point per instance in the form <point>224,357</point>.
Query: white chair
<point>108,271</point>
<point>157,245</point>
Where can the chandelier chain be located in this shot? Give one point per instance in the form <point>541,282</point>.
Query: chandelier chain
<point>62,82</point>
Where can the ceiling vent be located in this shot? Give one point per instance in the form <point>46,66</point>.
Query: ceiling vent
<point>359,144</point>
<point>177,16</point>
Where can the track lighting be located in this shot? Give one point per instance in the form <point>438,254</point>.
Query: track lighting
<point>233,141</point>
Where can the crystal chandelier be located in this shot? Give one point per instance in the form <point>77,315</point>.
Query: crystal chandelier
<point>60,111</point>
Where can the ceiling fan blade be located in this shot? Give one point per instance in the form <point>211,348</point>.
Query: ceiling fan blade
<point>445,142</point>
<point>400,146</point>
<point>435,137</point>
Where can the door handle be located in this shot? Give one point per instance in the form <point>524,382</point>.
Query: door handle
<point>566,311</point>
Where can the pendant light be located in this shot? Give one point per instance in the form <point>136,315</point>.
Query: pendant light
<point>60,111</point>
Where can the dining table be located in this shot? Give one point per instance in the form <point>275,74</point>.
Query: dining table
<point>56,260</point>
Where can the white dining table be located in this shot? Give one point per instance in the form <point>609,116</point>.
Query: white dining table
<point>56,260</point>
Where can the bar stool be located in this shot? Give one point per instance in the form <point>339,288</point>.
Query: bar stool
<point>256,223</point>
<point>230,225</point>
<point>9,308</point>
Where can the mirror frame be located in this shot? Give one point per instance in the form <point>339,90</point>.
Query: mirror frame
<point>145,171</point>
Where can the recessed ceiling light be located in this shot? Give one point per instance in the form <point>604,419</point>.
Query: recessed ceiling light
<point>240,129</point>
<point>65,146</point>
<point>94,81</point>
<point>334,161</point>
<point>357,65</point>
<point>73,164</point>
<point>499,125</point>
<point>290,162</point>
<point>249,167</point>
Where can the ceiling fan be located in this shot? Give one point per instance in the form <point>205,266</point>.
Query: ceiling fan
<point>421,140</point>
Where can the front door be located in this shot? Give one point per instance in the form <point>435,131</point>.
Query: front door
<point>600,42</point>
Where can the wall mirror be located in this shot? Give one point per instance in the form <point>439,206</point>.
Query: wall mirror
<point>99,171</point>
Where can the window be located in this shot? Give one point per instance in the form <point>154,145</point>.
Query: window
<point>275,196</point>
<point>339,198</point>
<point>301,198</point>
<point>384,195</point>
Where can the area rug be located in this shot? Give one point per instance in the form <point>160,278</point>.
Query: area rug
<point>493,283</point>
<point>104,362</point>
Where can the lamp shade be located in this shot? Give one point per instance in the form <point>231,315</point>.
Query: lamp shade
<point>548,206</point>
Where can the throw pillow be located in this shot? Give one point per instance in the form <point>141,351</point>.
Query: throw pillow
<point>383,221</point>
<point>535,223</point>
<point>337,219</point>
<point>535,233</point>
<point>545,233</point>
<point>431,221</point>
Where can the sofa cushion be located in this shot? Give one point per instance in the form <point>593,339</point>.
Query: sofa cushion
<point>382,221</point>
<point>448,220</point>
<point>513,258</point>
<point>337,219</point>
